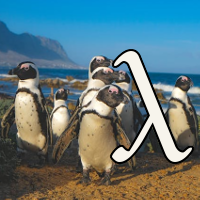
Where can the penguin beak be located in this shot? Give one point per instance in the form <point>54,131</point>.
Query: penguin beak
<point>108,62</point>
<point>118,76</point>
<point>14,71</point>
<point>111,62</point>
<point>122,77</point>
<point>191,84</point>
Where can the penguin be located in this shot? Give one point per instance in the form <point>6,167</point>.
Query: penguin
<point>60,114</point>
<point>30,113</point>
<point>181,115</point>
<point>131,116</point>
<point>98,62</point>
<point>99,131</point>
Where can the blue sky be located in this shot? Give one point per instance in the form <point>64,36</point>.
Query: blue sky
<point>165,33</point>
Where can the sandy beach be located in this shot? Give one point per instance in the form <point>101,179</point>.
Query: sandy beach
<point>153,178</point>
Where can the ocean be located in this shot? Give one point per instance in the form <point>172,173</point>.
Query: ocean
<point>163,81</point>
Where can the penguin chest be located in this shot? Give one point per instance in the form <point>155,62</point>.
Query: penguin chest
<point>28,122</point>
<point>88,97</point>
<point>96,141</point>
<point>127,116</point>
<point>179,125</point>
<point>60,121</point>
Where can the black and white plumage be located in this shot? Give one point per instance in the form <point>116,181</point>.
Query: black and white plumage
<point>181,115</point>
<point>60,114</point>
<point>30,113</point>
<point>98,129</point>
<point>131,117</point>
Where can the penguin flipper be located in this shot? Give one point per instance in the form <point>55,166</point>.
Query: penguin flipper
<point>48,120</point>
<point>49,126</point>
<point>140,120</point>
<point>64,140</point>
<point>74,115</point>
<point>167,116</point>
<point>7,121</point>
<point>192,118</point>
<point>123,140</point>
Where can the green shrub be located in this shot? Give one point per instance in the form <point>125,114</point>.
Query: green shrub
<point>4,105</point>
<point>8,159</point>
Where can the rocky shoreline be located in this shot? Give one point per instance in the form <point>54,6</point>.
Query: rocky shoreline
<point>76,84</point>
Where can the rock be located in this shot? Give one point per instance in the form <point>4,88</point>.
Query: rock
<point>162,98</point>
<point>71,106</point>
<point>133,86</point>
<point>12,79</point>
<point>55,83</point>
<point>79,85</point>
<point>136,96</point>
<point>159,94</point>
<point>5,96</point>
<point>158,90</point>
<point>69,78</point>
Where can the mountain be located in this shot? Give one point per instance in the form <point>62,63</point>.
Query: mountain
<point>45,52</point>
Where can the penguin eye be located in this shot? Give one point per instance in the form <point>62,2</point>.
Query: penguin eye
<point>26,68</point>
<point>98,60</point>
<point>122,72</point>
<point>106,72</point>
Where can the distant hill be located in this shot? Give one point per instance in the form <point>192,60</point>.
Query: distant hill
<point>45,52</point>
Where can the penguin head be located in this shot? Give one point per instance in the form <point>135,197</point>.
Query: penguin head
<point>125,82</point>
<point>111,95</point>
<point>25,70</point>
<point>184,83</point>
<point>99,61</point>
<point>62,94</point>
<point>27,73</point>
<point>124,77</point>
<point>106,75</point>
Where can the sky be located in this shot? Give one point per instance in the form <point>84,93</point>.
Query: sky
<point>165,33</point>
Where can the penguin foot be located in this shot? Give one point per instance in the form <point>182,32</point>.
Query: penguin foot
<point>106,179</point>
<point>43,159</point>
<point>132,163</point>
<point>79,168</point>
<point>86,179</point>
<point>34,165</point>
<point>20,155</point>
<point>38,165</point>
<point>101,175</point>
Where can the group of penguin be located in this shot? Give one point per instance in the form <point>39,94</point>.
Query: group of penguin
<point>106,115</point>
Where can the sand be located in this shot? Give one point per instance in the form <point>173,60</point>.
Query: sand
<point>154,178</point>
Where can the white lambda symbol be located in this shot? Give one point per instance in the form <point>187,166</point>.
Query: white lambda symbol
<point>156,116</point>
